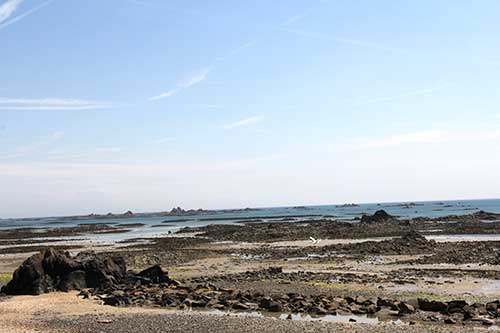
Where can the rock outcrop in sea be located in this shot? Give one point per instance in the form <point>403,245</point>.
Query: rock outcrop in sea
<point>377,217</point>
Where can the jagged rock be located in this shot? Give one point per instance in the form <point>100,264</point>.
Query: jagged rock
<point>48,271</point>
<point>53,270</point>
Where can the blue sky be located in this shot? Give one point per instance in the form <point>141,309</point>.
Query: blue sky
<point>149,104</point>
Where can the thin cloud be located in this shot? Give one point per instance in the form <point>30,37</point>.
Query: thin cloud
<point>428,137</point>
<point>343,40</point>
<point>299,16</point>
<point>50,104</point>
<point>8,8</point>
<point>199,76</point>
<point>237,50</point>
<point>165,94</point>
<point>413,93</point>
<point>37,145</point>
<point>22,16</point>
<point>243,122</point>
<point>185,83</point>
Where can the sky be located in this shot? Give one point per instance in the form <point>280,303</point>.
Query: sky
<point>107,106</point>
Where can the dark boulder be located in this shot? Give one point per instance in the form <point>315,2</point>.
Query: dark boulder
<point>154,274</point>
<point>53,270</point>
<point>104,273</point>
<point>456,306</point>
<point>379,216</point>
<point>29,278</point>
<point>434,306</point>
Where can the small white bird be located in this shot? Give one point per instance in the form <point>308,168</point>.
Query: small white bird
<point>314,240</point>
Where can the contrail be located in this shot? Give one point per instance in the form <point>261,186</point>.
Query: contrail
<point>22,16</point>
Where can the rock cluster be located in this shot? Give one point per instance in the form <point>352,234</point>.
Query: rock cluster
<point>213,297</point>
<point>53,270</point>
<point>209,296</point>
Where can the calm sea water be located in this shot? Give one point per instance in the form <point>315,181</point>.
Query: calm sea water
<point>402,209</point>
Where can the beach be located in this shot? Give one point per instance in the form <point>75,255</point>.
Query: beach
<point>373,273</point>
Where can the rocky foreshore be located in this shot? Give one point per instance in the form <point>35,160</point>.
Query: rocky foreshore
<point>378,267</point>
<point>208,296</point>
<point>108,280</point>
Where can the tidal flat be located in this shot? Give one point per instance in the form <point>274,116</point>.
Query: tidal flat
<point>376,273</point>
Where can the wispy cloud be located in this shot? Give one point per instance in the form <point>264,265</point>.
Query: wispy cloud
<point>11,5</point>
<point>428,137</point>
<point>189,81</point>
<point>237,50</point>
<point>37,145</point>
<point>194,78</point>
<point>297,17</point>
<point>412,93</point>
<point>50,104</point>
<point>8,8</point>
<point>165,94</point>
<point>343,40</point>
<point>243,122</point>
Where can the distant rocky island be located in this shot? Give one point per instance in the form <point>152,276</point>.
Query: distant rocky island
<point>176,211</point>
<point>347,205</point>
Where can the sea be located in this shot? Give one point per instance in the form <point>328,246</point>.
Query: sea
<point>159,226</point>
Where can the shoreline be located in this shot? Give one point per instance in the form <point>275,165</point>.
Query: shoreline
<point>380,256</point>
